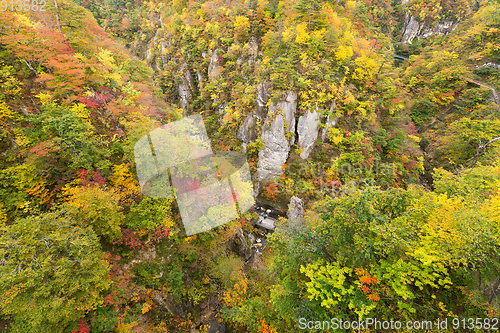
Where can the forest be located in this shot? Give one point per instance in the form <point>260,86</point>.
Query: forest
<point>371,133</point>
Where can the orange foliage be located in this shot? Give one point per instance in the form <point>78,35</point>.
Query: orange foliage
<point>264,328</point>
<point>236,295</point>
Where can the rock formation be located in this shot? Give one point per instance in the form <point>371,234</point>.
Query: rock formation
<point>277,136</point>
<point>307,128</point>
<point>185,88</point>
<point>295,213</point>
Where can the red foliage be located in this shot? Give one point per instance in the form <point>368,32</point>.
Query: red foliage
<point>271,191</point>
<point>82,327</point>
<point>121,283</point>
<point>336,183</point>
<point>160,233</point>
<point>130,239</point>
<point>97,178</point>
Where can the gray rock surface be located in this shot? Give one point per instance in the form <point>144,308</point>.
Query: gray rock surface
<point>243,244</point>
<point>253,48</point>
<point>307,128</point>
<point>246,133</point>
<point>439,29</point>
<point>274,135</point>
<point>262,98</point>
<point>185,88</point>
<point>164,59</point>
<point>413,29</point>
<point>167,302</point>
<point>330,121</point>
<point>214,69</point>
<point>295,212</point>
<point>200,77</point>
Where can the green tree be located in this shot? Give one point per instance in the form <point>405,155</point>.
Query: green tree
<point>98,207</point>
<point>52,272</point>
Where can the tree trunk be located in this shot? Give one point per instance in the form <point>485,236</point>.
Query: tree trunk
<point>58,22</point>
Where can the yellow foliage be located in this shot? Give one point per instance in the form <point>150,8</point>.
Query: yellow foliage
<point>124,183</point>
<point>111,69</point>
<point>302,35</point>
<point>147,306</point>
<point>45,98</point>
<point>235,296</point>
<point>97,206</point>
<point>343,52</point>
<point>33,184</point>
<point>414,138</point>
<point>286,35</point>
<point>335,135</point>
<point>126,328</point>
<point>5,113</point>
<point>81,111</point>
<point>242,23</point>
<point>3,215</point>
<point>365,68</point>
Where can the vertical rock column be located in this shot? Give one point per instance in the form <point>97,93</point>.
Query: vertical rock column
<point>185,89</point>
<point>307,128</point>
<point>295,213</point>
<point>277,143</point>
<point>246,133</point>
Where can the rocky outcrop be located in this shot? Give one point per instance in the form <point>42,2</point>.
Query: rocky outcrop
<point>439,29</point>
<point>246,133</point>
<point>413,29</point>
<point>262,98</point>
<point>200,77</point>
<point>167,302</point>
<point>164,59</point>
<point>243,244</point>
<point>295,213</point>
<point>277,137</point>
<point>221,109</point>
<point>214,69</point>
<point>307,128</point>
<point>185,89</point>
<point>489,64</point>
<point>253,48</point>
<point>146,255</point>
<point>330,121</point>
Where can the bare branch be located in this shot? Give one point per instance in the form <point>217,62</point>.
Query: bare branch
<point>58,22</point>
<point>30,67</point>
<point>480,150</point>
